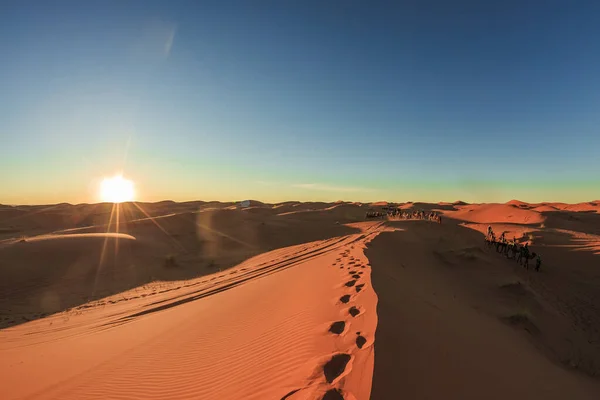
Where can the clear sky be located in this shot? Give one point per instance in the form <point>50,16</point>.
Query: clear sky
<point>304,100</point>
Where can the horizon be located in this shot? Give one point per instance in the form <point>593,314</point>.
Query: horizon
<point>314,102</point>
<point>300,202</point>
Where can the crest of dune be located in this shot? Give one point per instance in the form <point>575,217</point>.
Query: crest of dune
<point>490,213</point>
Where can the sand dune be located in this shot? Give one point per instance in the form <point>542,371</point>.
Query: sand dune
<point>518,203</point>
<point>342,210</point>
<point>582,241</point>
<point>302,329</point>
<point>457,321</point>
<point>209,300</point>
<point>545,208</point>
<point>521,232</point>
<point>379,204</point>
<point>173,246</point>
<point>582,207</point>
<point>487,213</point>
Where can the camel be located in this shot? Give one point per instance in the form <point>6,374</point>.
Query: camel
<point>513,250</point>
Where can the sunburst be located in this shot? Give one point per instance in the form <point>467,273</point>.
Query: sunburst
<point>117,189</point>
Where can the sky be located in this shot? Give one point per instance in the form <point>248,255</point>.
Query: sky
<point>480,101</point>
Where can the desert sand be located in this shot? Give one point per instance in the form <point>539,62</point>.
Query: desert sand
<point>208,300</point>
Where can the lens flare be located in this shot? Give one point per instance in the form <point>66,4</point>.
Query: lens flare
<point>116,190</point>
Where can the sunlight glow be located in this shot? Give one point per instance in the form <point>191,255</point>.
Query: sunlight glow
<point>116,189</point>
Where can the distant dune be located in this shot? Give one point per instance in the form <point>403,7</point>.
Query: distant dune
<point>582,207</point>
<point>486,213</point>
<point>545,208</point>
<point>518,203</point>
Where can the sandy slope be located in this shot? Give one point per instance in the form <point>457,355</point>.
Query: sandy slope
<point>260,330</point>
<point>523,233</point>
<point>593,206</point>
<point>545,208</point>
<point>446,329</point>
<point>40,277</point>
<point>500,213</point>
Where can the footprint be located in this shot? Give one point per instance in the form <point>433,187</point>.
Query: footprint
<point>333,394</point>
<point>361,272</point>
<point>354,311</point>
<point>352,272</point>
<point>350,283</point>
<point>356,276</point>
<point>337,327</point>
<point>360,341</point>
<point>362,266</point>
<point>345,298</point>
<point>336,366</point>
<point>359,287</point>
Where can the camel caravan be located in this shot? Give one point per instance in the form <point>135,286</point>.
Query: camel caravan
<point>374,214</point>
<point>512,249</point>
<point>396,213</point>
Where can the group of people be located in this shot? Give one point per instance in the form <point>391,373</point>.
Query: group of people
<point>512,249</point>
<point>417,214</point>
<point>396,213</point>
<point>374,214</point>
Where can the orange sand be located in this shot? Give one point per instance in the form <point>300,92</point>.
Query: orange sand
<point>488,213</point>
<point>258,331</point>
<point>211,301</point>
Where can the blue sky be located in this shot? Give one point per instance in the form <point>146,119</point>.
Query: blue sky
<point>311,100</point>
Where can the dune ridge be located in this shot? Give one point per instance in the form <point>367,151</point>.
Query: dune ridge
<point>160,344</point>
<point>496,213</point>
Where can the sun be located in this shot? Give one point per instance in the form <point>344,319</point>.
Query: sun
<point>116,189</point>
